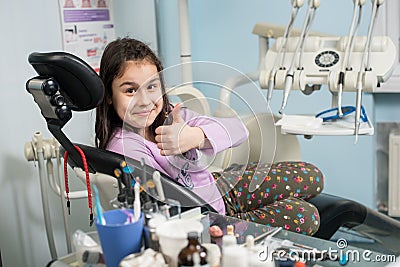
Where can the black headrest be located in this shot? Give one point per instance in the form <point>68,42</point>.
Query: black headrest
<point>77,80</point>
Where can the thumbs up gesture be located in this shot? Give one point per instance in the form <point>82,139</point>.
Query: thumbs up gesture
<point>178,137</point>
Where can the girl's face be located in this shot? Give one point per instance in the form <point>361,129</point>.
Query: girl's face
<point>137,95</point>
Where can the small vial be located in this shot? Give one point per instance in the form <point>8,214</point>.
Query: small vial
<point>186,255</point>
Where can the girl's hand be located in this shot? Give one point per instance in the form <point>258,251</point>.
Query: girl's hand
<point>178,137</point>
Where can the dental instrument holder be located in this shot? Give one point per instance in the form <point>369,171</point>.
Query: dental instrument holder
<point>40,150</point>
<point>153,205</point>
<point>322,59</point>
<point>125,195</point>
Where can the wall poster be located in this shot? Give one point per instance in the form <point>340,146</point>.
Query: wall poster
<point>87,27</point>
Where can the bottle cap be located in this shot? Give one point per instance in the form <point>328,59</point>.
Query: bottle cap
<point>230,230</point>
<point>249,241</point>
<point>193,235</point>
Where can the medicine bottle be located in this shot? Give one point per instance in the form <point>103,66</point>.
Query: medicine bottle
<point>185,256</point>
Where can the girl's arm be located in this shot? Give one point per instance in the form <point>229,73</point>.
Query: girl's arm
<point>133,146</point>
<point>190,130</point>
<point>220,133</point>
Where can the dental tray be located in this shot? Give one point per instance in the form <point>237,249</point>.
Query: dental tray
<point>310,125</point>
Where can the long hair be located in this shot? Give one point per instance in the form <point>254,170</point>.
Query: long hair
<point>112,65</point>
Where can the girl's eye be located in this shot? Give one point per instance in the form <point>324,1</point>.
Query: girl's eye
<point>130,90</point>
<point>153,86</point>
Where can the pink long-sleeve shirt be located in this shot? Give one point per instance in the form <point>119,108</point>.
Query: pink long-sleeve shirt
<point>189,169</point>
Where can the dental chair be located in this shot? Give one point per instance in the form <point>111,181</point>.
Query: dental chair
<point>66,83</point>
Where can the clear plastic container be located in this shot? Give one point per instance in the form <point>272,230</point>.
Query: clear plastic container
<point>87,242</point>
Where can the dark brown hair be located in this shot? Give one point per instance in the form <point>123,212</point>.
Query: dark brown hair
<point>112,65</point>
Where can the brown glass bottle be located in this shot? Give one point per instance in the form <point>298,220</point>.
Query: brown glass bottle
<point>185,256</point>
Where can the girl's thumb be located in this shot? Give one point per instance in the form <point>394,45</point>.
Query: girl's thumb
<point>176,113</point>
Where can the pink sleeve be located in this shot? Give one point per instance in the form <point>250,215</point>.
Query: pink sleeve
<point>223,133</point>
<point>124,145</point>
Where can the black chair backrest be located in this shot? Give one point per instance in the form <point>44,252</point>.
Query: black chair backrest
<point>79,83</point>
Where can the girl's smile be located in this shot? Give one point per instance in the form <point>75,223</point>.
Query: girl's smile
<point>137,95</point>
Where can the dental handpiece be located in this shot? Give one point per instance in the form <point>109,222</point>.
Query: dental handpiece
<point>358,109</point>
<point>270,233</point>
<point>296,5</point>
<point>286,92</point>
<point>144,176</point>
<point>357,122</point>
<point>349,47</point>
<point>136,203</point>
<point>271,85</point>
<point>340,92</point>
<point>377,4</point>
<point>312,4</point>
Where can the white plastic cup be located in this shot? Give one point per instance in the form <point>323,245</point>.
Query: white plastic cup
<point>172,236</point>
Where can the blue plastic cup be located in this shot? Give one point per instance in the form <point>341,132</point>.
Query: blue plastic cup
<point>118,238</point>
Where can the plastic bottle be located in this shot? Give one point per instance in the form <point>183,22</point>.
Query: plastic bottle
<point>229,239</point>
<point>185,256</point>
<point>234,256</point>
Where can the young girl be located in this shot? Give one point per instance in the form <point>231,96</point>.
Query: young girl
<point>136,119</point>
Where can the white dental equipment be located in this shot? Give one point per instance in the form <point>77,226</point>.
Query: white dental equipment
<point>365,67</point>
<point>164,209</point>
<point>351,63</point>
<point>296,5</point>
<point>349,46</point>
<point>40,150</point>
<point>311,11</point>
<point>136,203</point>
<point>184,38</point>
<point>157,181</point>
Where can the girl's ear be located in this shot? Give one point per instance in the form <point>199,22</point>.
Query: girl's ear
<point>109,100</point>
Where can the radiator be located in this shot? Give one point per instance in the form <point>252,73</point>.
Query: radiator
<point>394,174</point>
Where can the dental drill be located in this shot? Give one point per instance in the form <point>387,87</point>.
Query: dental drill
<point>363,66</point>
<point>349,47</point>
<point>296,5</point>
<point>310,22</point>
<point>312,6</point>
